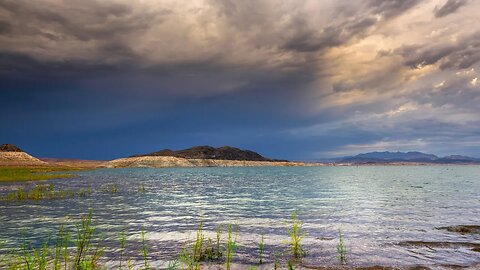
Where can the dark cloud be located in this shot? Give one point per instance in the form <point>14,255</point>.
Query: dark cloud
<point>125,77</point>
<point>460,54</point>
<point>449,7</point>
<point>308,39</point>
<point>5,27</point>
<point>392,8</point>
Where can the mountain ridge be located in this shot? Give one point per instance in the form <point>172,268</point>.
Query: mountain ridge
<point>411,156</point>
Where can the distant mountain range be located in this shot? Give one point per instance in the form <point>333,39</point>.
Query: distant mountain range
<point>414,157</point>
<point>209,152</point>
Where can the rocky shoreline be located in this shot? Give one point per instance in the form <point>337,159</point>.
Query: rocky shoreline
<point>166,162</point>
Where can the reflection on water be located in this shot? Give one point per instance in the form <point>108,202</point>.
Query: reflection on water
<point>389,215</point>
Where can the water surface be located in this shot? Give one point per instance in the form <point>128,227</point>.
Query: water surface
<point>378,208</point>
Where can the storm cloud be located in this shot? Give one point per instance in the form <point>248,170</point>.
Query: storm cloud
<point>291,79</point>
<point>449,7</point>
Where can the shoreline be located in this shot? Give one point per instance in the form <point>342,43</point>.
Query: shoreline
<point>173,162</point>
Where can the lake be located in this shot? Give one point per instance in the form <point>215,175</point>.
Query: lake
<point>389,215</point>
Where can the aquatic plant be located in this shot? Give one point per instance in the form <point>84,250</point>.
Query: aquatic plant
<point>290,265</point>
<point>110,188</point>
<point>230,246</point>
<point>341,248</point>
<point>65,236</point>
<point>275,260</point>
<point>192,255</point>
<point>213,251</point>
<point>187,259</point>
<point>141,188</point>
<point>173,265</point>
<point>122,241</point>
<point>261,248</point>
<point>296,234</point>
<point>218,251</point>
<point>85,257</point>
<point>43,192</point>
<point>87,254</point>
<point>89,187</point>
<point>87,249</point>
<point>146,265</point>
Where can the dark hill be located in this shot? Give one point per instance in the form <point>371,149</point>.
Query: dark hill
<point>209,152</point>
<point>9,148</point>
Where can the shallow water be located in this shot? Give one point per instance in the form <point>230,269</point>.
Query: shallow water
<point>378,208</point>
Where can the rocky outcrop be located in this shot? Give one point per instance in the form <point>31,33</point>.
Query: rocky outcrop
<point>166,161</point>
<point>9,148</point>
<point>11,155</point>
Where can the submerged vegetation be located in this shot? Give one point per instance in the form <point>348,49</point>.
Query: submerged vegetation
<point>51,192</point>
<point>8,174</point>
<point>40,192</point>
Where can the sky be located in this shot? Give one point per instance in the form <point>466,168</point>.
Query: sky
<point>299,80</point>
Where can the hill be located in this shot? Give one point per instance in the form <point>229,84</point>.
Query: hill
<point>10,155</point>
<point>209,152</point>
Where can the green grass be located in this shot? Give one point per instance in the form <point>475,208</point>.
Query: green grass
<point>11,174</point>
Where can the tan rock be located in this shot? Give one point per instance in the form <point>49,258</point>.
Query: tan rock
<point>165,161</point>
<point>19,158</point>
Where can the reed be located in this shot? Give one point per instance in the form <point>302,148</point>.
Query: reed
<point>261,248</point>
<point>122,240</point>
<point>218,250</point>
<point>141,188</point>
<point>44,192</point>
<point>173,265</point>
<point>341,248</point>
<point>87,254</point>
<point>84,251</point>
<point>231,245</point>
<point>290,265</point>
<point>110,188</point>
<point>296,235</point>
<point>146,265</point>
<point>275,260</point>
<point>191,256</point>
<point>65,236</point>
<point>213,251</point>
